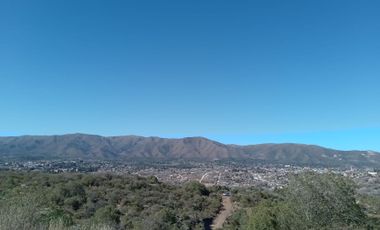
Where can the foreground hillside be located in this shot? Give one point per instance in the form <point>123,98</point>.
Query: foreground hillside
<point>81,146</point>
<point>40,201</point>
<point>308,201</point>
<point>83,201</point>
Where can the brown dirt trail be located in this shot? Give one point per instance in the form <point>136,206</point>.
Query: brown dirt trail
<point>223,214</point>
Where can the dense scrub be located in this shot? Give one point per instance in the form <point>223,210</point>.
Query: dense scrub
<point>310,201</point>
<point>106,201</point>
<point>101,201</point>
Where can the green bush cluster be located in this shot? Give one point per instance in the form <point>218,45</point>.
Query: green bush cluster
<point>309,201</point>
<point>82,201</point>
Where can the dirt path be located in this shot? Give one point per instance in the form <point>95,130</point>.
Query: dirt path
<point>203,177</point>
<point>223,214</point>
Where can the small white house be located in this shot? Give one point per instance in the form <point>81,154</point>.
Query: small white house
<point>372,173</point>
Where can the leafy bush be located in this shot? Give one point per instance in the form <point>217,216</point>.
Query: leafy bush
<point>309,201</point>
<point>117,202</point>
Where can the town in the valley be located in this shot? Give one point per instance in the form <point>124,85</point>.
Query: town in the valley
<point>227,174</point>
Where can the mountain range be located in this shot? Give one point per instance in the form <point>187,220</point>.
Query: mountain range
<point>124,148</point>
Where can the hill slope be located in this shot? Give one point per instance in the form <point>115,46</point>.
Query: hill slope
<point>82,146</point>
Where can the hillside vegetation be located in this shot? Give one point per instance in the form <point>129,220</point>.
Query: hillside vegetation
<point>309,201</point>
<point>31,201</point>
<point>83,201</point>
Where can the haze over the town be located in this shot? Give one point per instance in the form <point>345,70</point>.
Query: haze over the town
<point>238,72</point>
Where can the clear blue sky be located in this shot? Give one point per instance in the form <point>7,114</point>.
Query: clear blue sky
<point>236,71</point>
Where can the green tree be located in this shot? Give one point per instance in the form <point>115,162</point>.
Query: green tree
<point>311,201</point>
<point>107,215</point>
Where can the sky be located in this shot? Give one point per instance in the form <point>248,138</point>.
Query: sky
<point>242,72</point>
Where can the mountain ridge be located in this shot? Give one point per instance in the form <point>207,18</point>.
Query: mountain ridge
<point>96,147</point>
